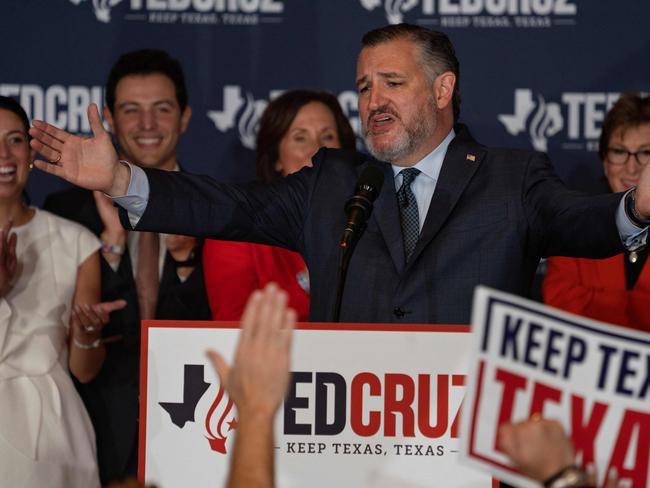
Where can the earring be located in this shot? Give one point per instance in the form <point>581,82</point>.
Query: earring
<point>31,166</point>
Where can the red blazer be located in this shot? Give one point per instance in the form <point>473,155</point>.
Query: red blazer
<point>595,288</point>
<point>233,270</point>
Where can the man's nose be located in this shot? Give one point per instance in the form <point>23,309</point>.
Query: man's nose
<point>377,98</point>
<point>147,119</point>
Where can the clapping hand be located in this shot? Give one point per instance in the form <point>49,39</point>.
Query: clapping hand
<point>87,321</point>
<point>8,261</point>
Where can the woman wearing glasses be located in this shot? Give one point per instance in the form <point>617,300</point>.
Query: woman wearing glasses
<point>617,289</point>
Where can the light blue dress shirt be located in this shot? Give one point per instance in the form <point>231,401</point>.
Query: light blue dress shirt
<point>425,184</point>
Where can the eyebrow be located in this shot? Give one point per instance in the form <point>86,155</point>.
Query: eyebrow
<point>157,102</point>
<point>16,131</point>
<point>304,129</point>
<point>384,75</point>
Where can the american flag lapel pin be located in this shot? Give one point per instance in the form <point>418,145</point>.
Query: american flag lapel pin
<point>470,157</point>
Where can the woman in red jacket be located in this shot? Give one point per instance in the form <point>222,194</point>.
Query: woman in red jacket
<point>617,289</point>
<point>293,127</point>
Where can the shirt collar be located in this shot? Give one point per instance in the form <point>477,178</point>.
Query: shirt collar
<point>431,164</point>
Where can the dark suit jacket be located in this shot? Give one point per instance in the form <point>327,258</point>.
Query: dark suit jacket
<point>112,397</point>
<point>494,213</point>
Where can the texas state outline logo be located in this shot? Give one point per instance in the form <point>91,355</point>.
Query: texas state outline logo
<point>219,420</point>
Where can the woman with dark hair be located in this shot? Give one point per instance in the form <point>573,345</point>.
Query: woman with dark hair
<point>293,127</point>
<point>617,289</point>
<point>49,276</point>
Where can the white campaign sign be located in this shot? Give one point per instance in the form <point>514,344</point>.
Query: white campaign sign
<point>594,378</point>
<point>368,406</point>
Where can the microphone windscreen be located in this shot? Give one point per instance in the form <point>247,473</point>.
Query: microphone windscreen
<point>371,180</point>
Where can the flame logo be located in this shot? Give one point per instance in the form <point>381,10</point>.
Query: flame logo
<point>248,123</point>
<point>243,111</point>
<point>546,121</point>
<point>394,9</point>
<point>217,440</point>
<point>102,8</point>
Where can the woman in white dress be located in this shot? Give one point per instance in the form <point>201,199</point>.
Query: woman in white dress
<point>49,274</point>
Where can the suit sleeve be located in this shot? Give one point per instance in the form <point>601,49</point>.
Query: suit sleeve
<point>180,203</point>
<point>571,285</point>
<point>568,223</point>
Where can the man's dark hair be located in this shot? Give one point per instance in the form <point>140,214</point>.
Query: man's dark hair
<point>277,119</point>
<point>437,51</point>
<point>631,110</point>
<point>7,103</point>
<point>147,62</point>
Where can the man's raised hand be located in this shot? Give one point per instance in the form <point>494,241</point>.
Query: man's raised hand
<point>90,163</point>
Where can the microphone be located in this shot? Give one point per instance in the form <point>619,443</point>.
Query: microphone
<point>359,207</point>
<point>358,210</point>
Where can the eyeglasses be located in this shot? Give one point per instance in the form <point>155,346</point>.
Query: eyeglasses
<point>619,156</point>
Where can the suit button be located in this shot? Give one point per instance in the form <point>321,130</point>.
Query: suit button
<point>398,312</point>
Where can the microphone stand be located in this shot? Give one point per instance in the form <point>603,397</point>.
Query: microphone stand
<point>348,243</point>
<point>358,210</point>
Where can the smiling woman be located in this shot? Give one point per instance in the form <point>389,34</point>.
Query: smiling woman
<point>293,127</point>
<point>49,274</point>
<point>617,289</point>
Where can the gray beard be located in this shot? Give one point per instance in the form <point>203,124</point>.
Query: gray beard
<point>407,143</point>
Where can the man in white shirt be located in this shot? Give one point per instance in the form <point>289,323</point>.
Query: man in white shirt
<point>159,275</point>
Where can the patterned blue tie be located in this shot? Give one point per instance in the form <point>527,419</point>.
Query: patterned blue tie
<point>408,207</point>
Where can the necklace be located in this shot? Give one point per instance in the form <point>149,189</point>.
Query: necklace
<point>633,257</point>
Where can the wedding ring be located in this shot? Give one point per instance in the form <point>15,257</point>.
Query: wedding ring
<point>89,329</point>
<point>56,160</point>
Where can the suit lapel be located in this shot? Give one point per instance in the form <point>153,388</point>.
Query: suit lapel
<point>461,162</point>
<point>387,217</point>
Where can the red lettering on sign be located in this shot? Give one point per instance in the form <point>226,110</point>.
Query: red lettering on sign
<point>356,405</point>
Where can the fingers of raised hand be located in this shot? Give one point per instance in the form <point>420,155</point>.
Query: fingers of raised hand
<point>95,120</point>
<point>289,323</point>
<point>272,312</point>
<point>249,320</point>
<point>220,366</point>
<point>49,167</point>
<point>47,140</point>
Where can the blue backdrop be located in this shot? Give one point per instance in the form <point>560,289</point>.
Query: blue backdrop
<point>534,73</point>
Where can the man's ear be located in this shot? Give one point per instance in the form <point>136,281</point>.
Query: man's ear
<point>108,116</point>
<point>443,89</point>
<point>185,118</point>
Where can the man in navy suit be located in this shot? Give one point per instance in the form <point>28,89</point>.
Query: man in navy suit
<point>147,110</point>
<point>467,215</point>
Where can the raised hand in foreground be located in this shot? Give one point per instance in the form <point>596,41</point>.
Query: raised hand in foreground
<point>257,383</point>
<point>90,163</point>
